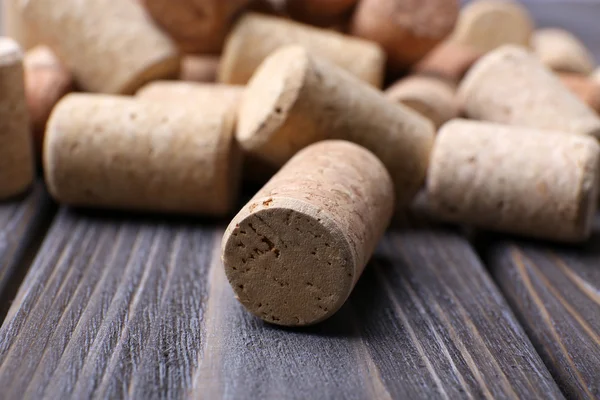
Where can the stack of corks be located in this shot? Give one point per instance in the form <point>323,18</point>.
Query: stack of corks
<point>344,110</point>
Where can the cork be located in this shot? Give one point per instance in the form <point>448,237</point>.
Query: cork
<point>110,46</point>
<point>15,27</point>
<point>448,60</point>
<point>431,97</point>
<point>296,99</point>
<point>320,12</point>
<point>47,80</point>
<point>256,36</point>
<point>562,51</point>
<point>488,24</point>
<point>199,68</point>
<point>530,182</point>
<point>595,76</point>
<point>120,153</point>
<point>511,86</point>
<point>586,89</point>
<point>294,253</point>
<point>16,150</point>
<point>407,30</point>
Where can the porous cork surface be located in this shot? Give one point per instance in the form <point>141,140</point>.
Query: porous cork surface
<point>511,86</point>
<point>16,149</point>
<point>562,51</point>
<point>256,36</point>
<point>489,24</point>
<point>585,88</point>
<point>448,60</point>
<point>117,152</point>
<point>294,253</point>
<point>296,99</point>
<point>407,30</point>
<point>431,97</point>
<point>517,180</point>
<point>110,46</point>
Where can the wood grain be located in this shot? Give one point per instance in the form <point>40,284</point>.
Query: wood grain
<point>116,308</point>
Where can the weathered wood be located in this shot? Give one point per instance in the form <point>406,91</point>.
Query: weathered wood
<point>142,309</point>
<point>555,292</point>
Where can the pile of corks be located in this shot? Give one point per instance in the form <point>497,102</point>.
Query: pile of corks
<point>184,99</point>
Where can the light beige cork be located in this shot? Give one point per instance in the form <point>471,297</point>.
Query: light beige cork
<point>110,46</point>
<point>407,30</point>
<point>595,76</point>
<point>511,86</point>
<point>199,68</point>
<point>47,80</point>
<point>16,148</point>
<point>294,253</point>
<point>320,12</point>
<point>296,99</point>
<point>562,51</point>
<point>256,36</point>
<point>117,152</point>
<point>586,89</point>
<point>529,182</point>
<point>15,27</point>
<point>448,60</point>
<point>431,97</point>
<point>489,24</point>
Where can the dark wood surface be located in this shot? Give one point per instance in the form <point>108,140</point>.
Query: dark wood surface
<point>115,307</point>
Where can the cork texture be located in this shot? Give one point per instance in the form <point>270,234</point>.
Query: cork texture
<point>448,60</point>
<point>586,89</point>
<point>562,51</point>
<point>116,152</point>
<point>431,97</point>
<point>256,36</point>
<point>407,30</point>
<point>534,183</point>
<point>294,253</point>
<point>199,68</point>
<point>489,24</point>
<point>110,46</point>
<point>511,86</point>
<point>296,99</point>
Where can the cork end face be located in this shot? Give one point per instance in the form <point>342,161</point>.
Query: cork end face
<point>287,264</point>
<point>10,51</point>
<point>270,95</point>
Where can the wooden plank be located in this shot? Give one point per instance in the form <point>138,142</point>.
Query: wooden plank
<point>142,309</point>
<point>555,292</point>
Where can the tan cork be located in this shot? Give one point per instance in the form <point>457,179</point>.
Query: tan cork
<point>320,12</point>
<point>110,46</point>
<point>47,80</point>
<point>448,60</point>
<point>296,99</point>
<point>595,76</point>
<point>16,148</point>
<point>489,24</point>
<point>256,36</point>
<point>525,181</point>
<point>511,86</point>
<point>407,30</point>
<point>15,27</point>
<point>294,253</point>
<point>585,88</point>
<point>431,97</point>
<point>562,51</point>
<point>199,68</point>
<point>117,152</point>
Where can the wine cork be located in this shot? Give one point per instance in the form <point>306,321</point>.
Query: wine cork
<point>15,27</point>
<point>110,46</point>
<point>525,181</point>
<point>488,24</point>
<point>511,86</point>
<point>431,97</point>
<point>296,99</point>
<point>448,60</point>
<point>562,51</point>
<point>47,80</point>
<point>595,76</point>
<point>199,68</point>
<point>16,150</point>
<point>320,12</point>
<point>407,30</point>
<point>116,152</point>
<point>256,36</point>
<point>294,253</point>
<point>586,89</point>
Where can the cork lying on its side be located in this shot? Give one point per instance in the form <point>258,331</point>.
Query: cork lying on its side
<point>488,24</point>
<point>256,36</point>
<point>320,12</point>
<point>448,60</point>
<point>199,68</point>
<point>585,88</point>
<point>431,97</point>
<point>110,46</point>
<point>294,253</point>
<point>530,182</point>
<point>118,152</point>
<point>296,99</point>
<point>562,51</point>
<point>511,86</point>
<point>16,149</point>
